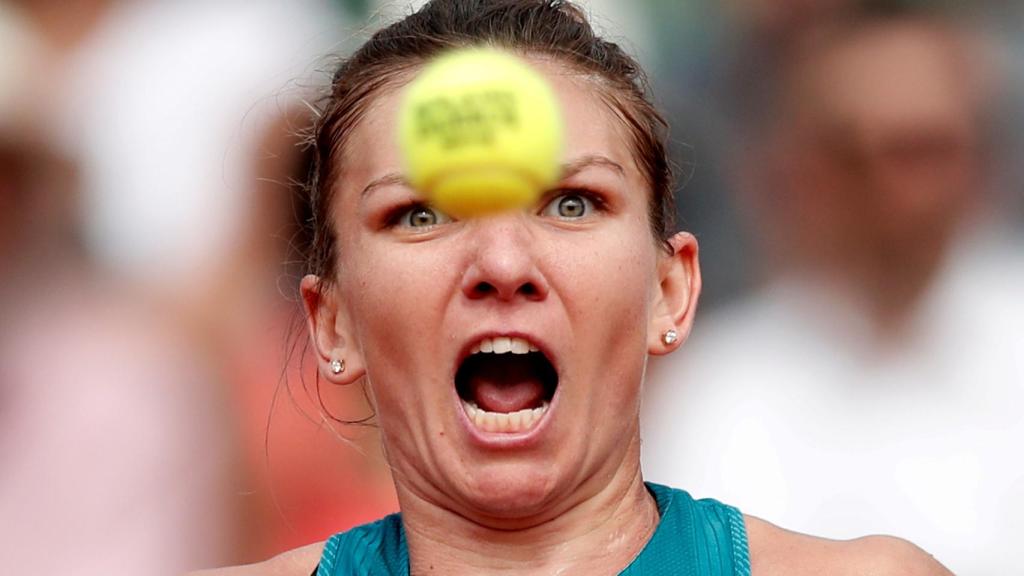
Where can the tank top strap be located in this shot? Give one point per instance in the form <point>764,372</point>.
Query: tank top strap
<point>693,538</point>
<point>375,549</point>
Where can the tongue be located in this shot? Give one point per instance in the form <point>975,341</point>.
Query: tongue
<point>506,385</point>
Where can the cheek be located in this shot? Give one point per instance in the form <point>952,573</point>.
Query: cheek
<point>620,264</point>
<point>611,338</point>
<point>397,304</point>
<point>397,308</point>
<point>608,290</point>
<point>396,282</point>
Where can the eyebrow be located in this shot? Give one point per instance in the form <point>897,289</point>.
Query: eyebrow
<point>568,171</point>
<point>576,166</point>
<point>389,179</point>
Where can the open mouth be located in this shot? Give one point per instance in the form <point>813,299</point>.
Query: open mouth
<point>506,385</point>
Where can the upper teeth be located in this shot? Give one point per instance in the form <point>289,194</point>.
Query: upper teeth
<point>503,345</point>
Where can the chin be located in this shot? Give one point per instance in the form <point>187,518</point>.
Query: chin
<point>520,491</point>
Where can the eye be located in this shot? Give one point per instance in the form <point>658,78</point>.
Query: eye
<point>569,206</point>
<point>420,216</point>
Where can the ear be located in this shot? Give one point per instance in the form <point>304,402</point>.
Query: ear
<point>330,331</point>
<point>675,296</point>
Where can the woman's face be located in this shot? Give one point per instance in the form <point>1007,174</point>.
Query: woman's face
<point>423,306</point>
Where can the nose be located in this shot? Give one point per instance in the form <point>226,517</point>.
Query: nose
<point>504,262</point>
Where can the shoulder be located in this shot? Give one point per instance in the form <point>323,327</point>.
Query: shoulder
<point>774,550</point>
<point>297,562</point>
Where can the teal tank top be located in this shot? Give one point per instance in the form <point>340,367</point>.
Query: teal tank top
<point>693,538</point>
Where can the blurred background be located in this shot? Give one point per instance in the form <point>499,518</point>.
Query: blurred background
<point>850,168</point>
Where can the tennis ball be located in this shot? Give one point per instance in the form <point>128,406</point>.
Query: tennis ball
<point>480,132</point>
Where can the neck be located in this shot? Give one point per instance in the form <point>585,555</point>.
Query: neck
<point>601,534</point>
<point>886,280</point>
<point>892,289</point>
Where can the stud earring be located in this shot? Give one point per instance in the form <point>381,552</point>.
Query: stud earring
<point>670,336</point>
<point>337,366</point>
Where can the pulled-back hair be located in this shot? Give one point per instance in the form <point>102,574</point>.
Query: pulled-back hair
<point>554,28</point>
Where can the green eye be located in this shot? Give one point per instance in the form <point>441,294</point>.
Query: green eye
<point>423,217</point>
<point>569,207</point>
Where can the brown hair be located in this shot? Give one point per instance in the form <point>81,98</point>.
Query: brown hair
<point>555,28</point>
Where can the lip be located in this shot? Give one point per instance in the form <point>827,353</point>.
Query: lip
<point>504,440</point>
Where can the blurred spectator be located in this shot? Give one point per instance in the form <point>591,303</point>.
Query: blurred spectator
<point>711,58</point>
<point>163,102</point>
<point>171,121</point>
<point>103,404</point>
<point>874,384</point>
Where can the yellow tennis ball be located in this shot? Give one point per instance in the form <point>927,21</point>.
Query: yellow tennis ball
<point>480,132</point>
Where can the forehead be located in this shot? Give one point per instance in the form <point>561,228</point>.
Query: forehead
<point>897,75</point>
<point>591,128</point>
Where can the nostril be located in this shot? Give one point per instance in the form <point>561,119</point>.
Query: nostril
<point>484,288</point>
<point>528,290</point>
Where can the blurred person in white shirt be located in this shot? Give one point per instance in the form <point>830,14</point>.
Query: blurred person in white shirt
<point>164,102</point>
<point>875,382</point>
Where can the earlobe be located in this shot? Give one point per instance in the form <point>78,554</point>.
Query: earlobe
<point>338,360</point>
<point>676,295</point>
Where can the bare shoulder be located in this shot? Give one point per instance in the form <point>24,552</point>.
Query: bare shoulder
<point>297,562</point>
<point>774,550</point>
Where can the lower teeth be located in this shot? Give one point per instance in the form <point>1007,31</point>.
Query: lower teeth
<point>519,421</point>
